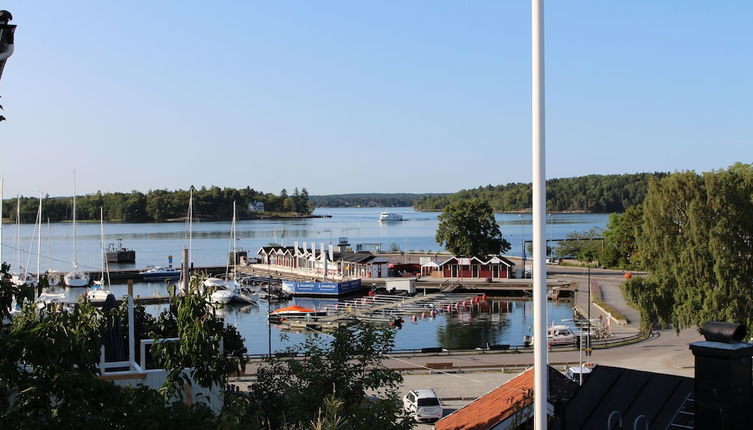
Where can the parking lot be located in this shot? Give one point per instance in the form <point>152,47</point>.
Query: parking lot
<point>454,389</point>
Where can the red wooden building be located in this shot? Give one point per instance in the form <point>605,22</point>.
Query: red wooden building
<point>495,267</point>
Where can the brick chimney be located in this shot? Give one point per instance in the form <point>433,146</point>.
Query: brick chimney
<point>723,378</point>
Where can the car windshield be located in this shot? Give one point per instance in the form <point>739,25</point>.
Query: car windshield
<point>429,401</point>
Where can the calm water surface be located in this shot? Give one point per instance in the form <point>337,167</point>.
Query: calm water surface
<point>154,242</point>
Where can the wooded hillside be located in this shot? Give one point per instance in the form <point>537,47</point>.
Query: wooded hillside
<point>592,193</point>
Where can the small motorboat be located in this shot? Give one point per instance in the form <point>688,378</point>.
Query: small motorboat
<point>295,312</point>
<point>160,273</point>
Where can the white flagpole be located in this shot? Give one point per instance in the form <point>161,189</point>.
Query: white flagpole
<point>541,386</point>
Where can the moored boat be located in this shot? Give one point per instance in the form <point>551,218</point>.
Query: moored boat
<point>101,288</point>
<point>295,312</point>
<point>390,217</point>
<point>160,273</point>
<point>75,278</point>
<point>120,254</point>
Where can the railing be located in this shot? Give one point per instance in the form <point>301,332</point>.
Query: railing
<point>489,349</point>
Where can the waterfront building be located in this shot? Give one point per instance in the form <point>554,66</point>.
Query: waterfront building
<point>495,267</point>
<point>325,263</point>
<point>256,207</point>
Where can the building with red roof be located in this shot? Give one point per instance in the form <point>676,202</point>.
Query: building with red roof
<point>509,406</point>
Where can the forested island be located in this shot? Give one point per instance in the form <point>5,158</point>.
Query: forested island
<point>211,204</point>
<point>370,200</point>
<point>592,193</point>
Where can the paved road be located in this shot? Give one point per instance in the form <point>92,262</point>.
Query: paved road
<point>609,281</point>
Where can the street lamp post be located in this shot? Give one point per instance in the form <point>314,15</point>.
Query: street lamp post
<point>522,241</point>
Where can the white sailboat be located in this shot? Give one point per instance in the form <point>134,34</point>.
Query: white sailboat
<point>101,288</point>
<point>21,277</point>
<point>51,293</point>
<point>54,278</point>
<point>228,288</point>
<point>75,278</point>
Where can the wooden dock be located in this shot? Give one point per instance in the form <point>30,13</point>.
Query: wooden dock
<point>386,308</point>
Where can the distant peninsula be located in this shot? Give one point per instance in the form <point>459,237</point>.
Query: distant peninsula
<point>591,194</point>
<point>369,200</point>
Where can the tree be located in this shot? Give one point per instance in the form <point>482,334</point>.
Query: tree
<point>199,334</point>
<point>584,246</point>
<point>621,235</point>
<point>591,193</point>
<point>697,244</point>
<point>290,391</point>
<point>468,228</point>
<point>48,373</point>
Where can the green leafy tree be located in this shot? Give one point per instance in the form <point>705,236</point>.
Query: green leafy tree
<point>468,228</point>
<point>48,373</point>
<point>584,246</point>
<point>697,244</point>
<point>621,238</point>
<point>199,334</point>
<point>290,391</point>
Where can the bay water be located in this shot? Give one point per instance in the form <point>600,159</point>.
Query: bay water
<point>154,242</point>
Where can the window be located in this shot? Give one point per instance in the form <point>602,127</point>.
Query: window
<point>428,401</point>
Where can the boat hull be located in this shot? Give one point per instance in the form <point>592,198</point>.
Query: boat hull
<point>322,288</point>
<point>160,276</point>
<point>127,256</point>
<point>76,279</point>
<point>97,295</point>
<point>222,296</point>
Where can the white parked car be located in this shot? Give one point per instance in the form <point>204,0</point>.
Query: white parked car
<point>424,405</point>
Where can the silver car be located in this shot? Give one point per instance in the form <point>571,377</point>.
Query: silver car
<point>424,405</point>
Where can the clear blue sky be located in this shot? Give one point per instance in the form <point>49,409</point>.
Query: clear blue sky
<point>366,96</point>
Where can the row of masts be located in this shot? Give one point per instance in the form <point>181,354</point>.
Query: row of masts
<point>73,278</point>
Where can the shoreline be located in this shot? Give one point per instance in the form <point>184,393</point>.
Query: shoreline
<point>183,219</point>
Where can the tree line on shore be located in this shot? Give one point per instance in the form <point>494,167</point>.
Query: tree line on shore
<point>591,193</point>
<point>367,200</point>
<point>213,203</point>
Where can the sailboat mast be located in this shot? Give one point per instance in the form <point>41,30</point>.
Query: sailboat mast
<point>39,238</point>
<point>235,248</point>
<point>49,246</point>
<point>190,222</point>
<point>75,258</point>
<point>18,231</point>
<point>102,242</point>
